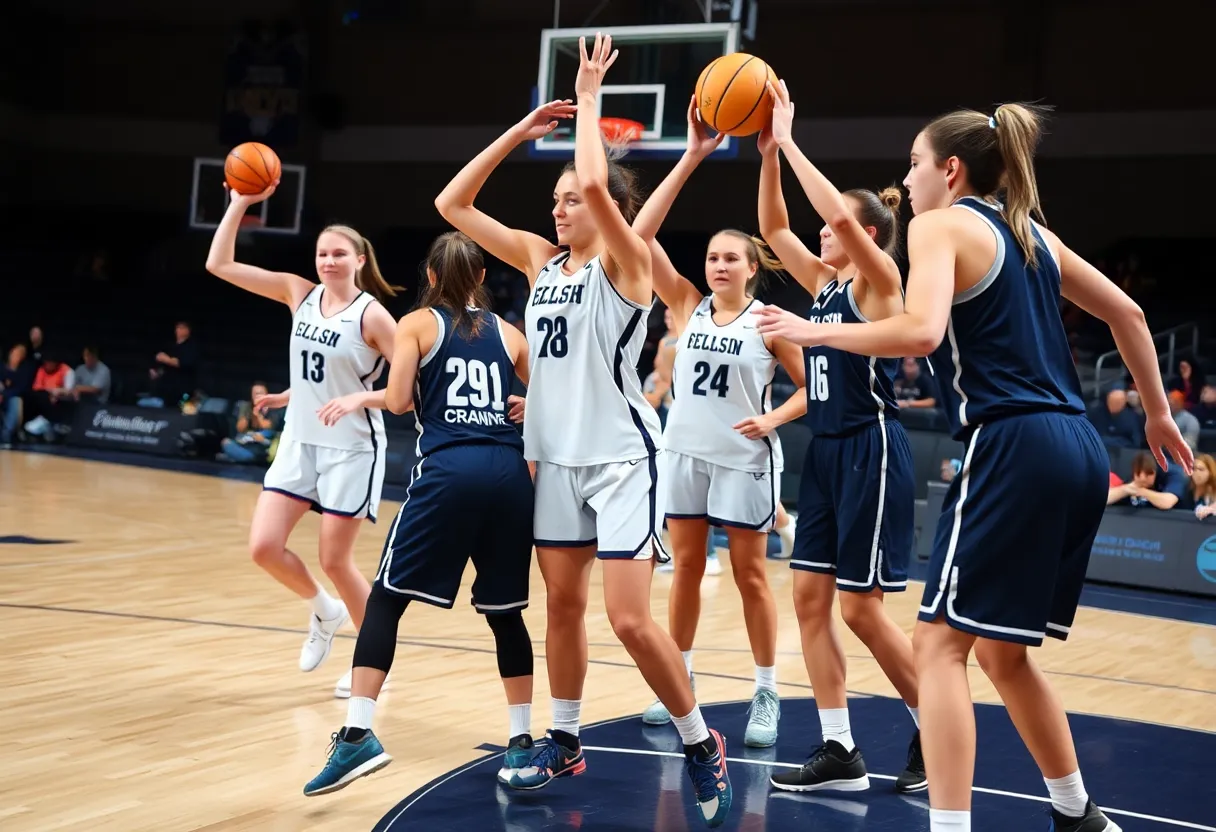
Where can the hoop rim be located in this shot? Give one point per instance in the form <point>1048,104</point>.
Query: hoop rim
<point>618,129</point>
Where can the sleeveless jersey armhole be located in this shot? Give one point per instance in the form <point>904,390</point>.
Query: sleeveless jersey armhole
<point>440,337</point>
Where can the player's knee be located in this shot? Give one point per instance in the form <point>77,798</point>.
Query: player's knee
<point>512,643</point>
<point>335,564</point>
<point>629,625</point>
<point>565,607</point>
<point>862,613</point>
<point>813,597</point>
<point>936,644</point>
<point>265,550</point>
<point>689,567</point>
<point>751,579</point>
<point>1000,660</point>
<point>377,641</point>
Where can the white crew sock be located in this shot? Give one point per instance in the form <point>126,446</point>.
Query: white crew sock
<point>521,720</point>
<point>692,727</point>
<point>948,820</point>
<point>834,722</point>
<point>359,712</point>
<point>566,714</point>
<point>1068,795</point>
<point>766,678</point>
<point>325,605</point>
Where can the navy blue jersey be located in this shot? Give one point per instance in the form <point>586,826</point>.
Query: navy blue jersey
<point>460,396</point>
<point>845,392</point>
<point>1005,350</point>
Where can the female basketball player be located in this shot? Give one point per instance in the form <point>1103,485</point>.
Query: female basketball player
<point>341,338</point>
<point>983,296</point>
<point>459,358</point>
<point>724,459</point>
<point>856,499</point>
<point>589,429</point>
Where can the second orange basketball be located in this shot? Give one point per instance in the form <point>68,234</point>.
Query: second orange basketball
<point>731,94</point>
<point>251,168</point>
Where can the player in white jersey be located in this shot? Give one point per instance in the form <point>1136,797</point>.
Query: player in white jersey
<point>725,459</point>
<point>331,454</point>
<point>589,429</point>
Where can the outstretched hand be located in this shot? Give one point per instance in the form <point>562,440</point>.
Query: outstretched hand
<point>778,323</point>
<point>544,119</point>
<point>591,68</point>
<point>783,112</point>
<point>700,143</point>
<point>270,401</point>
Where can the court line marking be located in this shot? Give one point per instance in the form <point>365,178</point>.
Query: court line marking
<point>998,792</point>
<point>437,644</point>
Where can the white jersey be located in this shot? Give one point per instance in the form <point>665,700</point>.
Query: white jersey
<point>585,402</point>
<point>329,358</point>
<point>722,375</point>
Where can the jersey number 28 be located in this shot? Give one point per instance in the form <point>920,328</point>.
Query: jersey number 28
<point>484,384</point>
<point>817,378</point>
<point>554,342</point>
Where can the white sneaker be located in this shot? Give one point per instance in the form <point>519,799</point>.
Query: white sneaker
<point>320,639</point>
<point>342,689</point>
<point>787,540</point>
<point>713,566</point>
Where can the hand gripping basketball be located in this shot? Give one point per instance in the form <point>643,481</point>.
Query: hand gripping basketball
<point>591,68</point>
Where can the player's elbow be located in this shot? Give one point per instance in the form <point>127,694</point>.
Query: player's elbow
<point>922,341</point>
<point>396,402</point>
<point>216,266</point>
<point>839,219</point>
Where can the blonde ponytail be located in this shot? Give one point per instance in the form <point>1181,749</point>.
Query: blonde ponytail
<point>368,278</point>
<point>1017,135</point>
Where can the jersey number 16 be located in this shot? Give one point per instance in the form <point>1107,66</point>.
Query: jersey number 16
<point>817,378</point>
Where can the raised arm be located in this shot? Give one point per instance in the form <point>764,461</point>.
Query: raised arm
<point>1089,289</point>
<point>915,331</point>
<point>628,263</point>
<point>523,250</point>
<point>796,258</point>
<point>286,288</point>
<point>876,270</point>
<point>675,290</point>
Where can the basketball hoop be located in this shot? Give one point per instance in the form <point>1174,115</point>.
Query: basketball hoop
<point>249,224</point>
<point>621,130</point>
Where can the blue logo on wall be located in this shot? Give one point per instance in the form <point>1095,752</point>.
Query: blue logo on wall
<point>1205,559</point>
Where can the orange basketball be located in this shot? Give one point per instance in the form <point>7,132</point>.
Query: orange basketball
<point>731,94</point>
<point>251,168</point>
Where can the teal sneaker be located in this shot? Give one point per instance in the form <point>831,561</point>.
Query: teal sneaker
<point>348,761</point>
<point>519,755</point>
<point>762,719</point>
<point>657,713</point>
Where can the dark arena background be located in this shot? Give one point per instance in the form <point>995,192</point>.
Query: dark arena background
<point>150,673</point>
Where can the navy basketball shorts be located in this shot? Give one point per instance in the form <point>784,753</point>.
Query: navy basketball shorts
<point>463,502</point>
<point>856,504</point>
<point>1015,533</point>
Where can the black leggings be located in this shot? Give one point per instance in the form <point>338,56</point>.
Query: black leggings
<point>377,642</point>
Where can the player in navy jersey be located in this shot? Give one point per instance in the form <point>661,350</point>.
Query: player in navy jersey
<point>1014,538</point>
<point>857,494</point>
<point>590,430</point>
<point>331,455</point>
<point>725,456</point>
<point>454,362</point>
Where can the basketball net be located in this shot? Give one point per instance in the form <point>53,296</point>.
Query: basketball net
<point>621,131</point>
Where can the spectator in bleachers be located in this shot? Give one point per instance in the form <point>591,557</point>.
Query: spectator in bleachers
<point>1188,379</point>
<point>1149,486</point>
<point>1117,425</point>
<point>44,405</point>
<point>35,347</point>
<point>1201,496</point>
<point>1205,411</point>
<point>255,430</point>
<point>175,374</point>
<point>15,383</point>
<point>912,386</point>
<point>950,469</point>
<point>92,379</point>
<point>1188,424</point>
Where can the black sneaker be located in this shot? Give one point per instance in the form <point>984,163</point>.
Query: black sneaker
<point>830,767</point>
<point>1092,821</point>
<point>912,778</point>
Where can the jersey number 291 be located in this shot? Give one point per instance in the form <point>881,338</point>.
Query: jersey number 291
<point>484,384</point>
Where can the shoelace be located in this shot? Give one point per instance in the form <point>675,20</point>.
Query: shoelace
<point>334,739</point>
<point>764,706</point>
<point>550,756</point>
<point>704,775</point>
<point>818,753</point>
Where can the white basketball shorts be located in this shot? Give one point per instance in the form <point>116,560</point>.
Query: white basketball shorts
<point>700,490</point>
<point>335,481</point>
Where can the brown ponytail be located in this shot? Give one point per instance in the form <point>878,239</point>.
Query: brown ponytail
<point>998,152</point>
<point>758,255</point>
<point>368,279</point>
<point>459,269</point>
<point>881,212</point>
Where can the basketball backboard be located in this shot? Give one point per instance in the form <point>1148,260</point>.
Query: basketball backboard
<point>278,215</point>
<point>650,83</point>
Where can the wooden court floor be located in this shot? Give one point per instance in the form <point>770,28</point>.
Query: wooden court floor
<point>150,680</point>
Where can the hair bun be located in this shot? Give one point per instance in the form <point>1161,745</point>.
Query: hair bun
<point>891,197</point>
